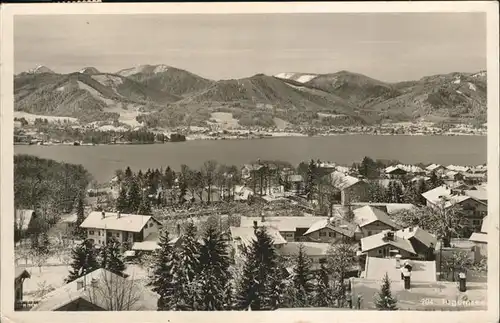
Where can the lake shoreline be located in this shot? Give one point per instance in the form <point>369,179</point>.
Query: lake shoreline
<point>231,138</point>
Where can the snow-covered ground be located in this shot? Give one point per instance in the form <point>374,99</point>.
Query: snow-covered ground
<point>225,120</point>
<point>298,77</point>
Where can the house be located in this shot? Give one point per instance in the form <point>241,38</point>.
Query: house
<point>421,271</point>
<point>435,168</point>
<point>474,209</point>
<point>480,240</point>
<point>67,223</point>
<point>330,230</point>
<point>371,220</point>
<point>99,290</point>
<point>395,172</point>
<point>20,275</point>
<point>291,228</point>
<point>427,296</point>
<point>387,244</point>
<point>389,208</point>
<point>473,179</point>
<point>296,183</point>
<point>459,169</point>
<point>315,251</point>
<point>419,179</point>
<point>423,242</point>
<point>351,188</point>
<point>453,175</point>
<point>244,236</point>
<point>126,228</point>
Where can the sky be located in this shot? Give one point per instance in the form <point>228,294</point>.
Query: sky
<point>390,47</point>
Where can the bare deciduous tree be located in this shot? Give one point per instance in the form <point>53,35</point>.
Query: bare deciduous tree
<point>114,293</point>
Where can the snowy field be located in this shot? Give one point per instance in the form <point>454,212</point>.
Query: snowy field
<point>31,117</point>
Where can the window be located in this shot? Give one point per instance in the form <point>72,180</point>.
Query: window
<point>151,224</point>
<point>369,233</point>
<point>322,260</point>
<point>322,234</point>
<point>332,234</point>
<point>476,222</point>
<point>380,251</point>
<point>118,234</point>
<point>91,233</point>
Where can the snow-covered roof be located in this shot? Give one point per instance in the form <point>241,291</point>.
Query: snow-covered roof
<point>337,225</point>
<point>406,168</point>
<point>343,181</point>
<point>436,195</point>
<point>433,167</point>
<point>422,271</point>
<point>111,221</point>
<point>310,248</point>
<point>369,214</point>
<point>459,169</point>
<point>479,237</point>
<point>93,293</point>
<point>281,223</point>
<point>377,240</point>
<point>246,235</point>
<point>421,235</point>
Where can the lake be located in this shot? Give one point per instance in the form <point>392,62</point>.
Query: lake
<point>103,160</point>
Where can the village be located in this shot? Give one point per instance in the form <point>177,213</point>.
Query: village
<point>420,230</point>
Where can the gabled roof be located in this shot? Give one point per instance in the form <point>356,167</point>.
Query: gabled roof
<point>95,292</point>
<point>247,235</point>
<point>343,181</point>
<point>377,240</point>
<point>436,195</point>
<point>479,194</point>
<point>419,234</point>
<point>311,249</point>
<point>479,237</point>
<point>340,226</point>
<point>282,223</point>
<point>295,178</point>
<point>126,222</point>
<point>21,273</point>
<point>23,218</point>
<point>369,214</point>
<point>433,167</point>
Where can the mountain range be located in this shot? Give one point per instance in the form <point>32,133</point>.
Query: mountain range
<point>165,96</point>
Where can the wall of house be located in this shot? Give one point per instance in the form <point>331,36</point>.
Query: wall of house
<point>80,305</point>
<point>480,250</point>
<point>325,235</point>
<point>118,235</point>
<point>288,235</point>
<point>97,235</point>
<point>374,228</point>
<point>379,252</point>
<point>150,227</point>
<point>475,212</point>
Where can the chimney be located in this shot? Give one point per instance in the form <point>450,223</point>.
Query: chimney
<point>407,279</point>
<point>410,229</point>
<point>262,217</point>
<point>103,215</point>
<point>462,282</point>
<point>254,224</point>
<point>79,285</point>
<point>118,215</point>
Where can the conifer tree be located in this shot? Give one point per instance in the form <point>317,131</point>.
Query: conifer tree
<point>84,261</point>
<point>133,197</point>
<point>323,292</point>
<point>302,277</point>
<point>214,277</point>
<point>145,206</point>
<point>384,301</point>
<point>260,283</point>
<point>111,258</point>
<point>187,269</point>
<point>310,180</point>
<point>162,278</point>
<point>80,217</point>
<point>122,201</point>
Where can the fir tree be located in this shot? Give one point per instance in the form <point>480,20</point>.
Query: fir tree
<point>435,181</point>
<point>111,258</point>
<point>169,178</point>
<point>302,277</point>
<point>133,197</point>
<point>259,285</point>
<point>384,301</point>
<point>122,201</point>
<point>80,217</point>
<point>323,292</point>
<point>145,206</point>
<point>162,278</point>
<point>84,261</point>
<point>214,276</point>
<point>187,270</point>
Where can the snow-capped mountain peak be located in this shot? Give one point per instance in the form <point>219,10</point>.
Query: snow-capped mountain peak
<point>297,77</point>
<point>40,69</point>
